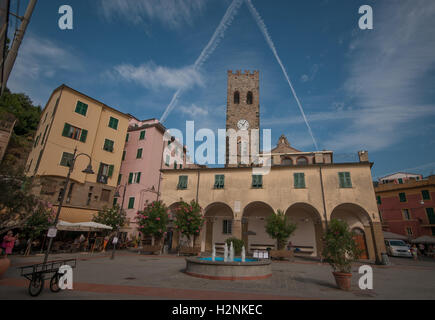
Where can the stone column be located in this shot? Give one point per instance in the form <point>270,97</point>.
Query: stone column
<point>319,229</point>
<point>369,243</point>
<point>378,240</point>
<point>237,228</point>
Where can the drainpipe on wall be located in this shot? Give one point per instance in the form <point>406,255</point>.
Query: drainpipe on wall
<point>323,196</point>
<point>197,187</point>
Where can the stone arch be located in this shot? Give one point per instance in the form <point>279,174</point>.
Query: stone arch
<point>302,160</point>
<point>254,225</point>
<point>357,218</point>
<point>249,97</point>
<point>286,161</point>
<point>307,238</point>
<point>215,214</point>
<point>172,238</point>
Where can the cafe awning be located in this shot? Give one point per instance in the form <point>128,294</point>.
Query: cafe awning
<point>82,226</point>
<point>424,240</point>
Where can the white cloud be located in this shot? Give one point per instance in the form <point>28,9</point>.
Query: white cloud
<point>39,62</point>
<point>171,13</point>
<point>194,110</point>
<point>155,77</point>
<point>387,76</point>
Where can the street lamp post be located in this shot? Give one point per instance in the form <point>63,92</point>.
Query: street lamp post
<point>88,170</point>
<point>122,208</point>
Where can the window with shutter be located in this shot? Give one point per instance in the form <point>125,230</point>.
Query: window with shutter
<point>257,181</point>
<point>402,197</point>
<point>378,199</point>
<point>127,137</point>
<point>139,154</point>
<point>430,215</point>
<point>227,226</point>
<point>142,135</point>
<point>137,177</point>
<point>84,135</point>
<point>119,179</point>
<point>425,194</point>
<point>345,180</point>
<point>111,168</point>
<point>113,123</point>
<point>182,182</point>
<point>123,155</point>
<point>219,182</point>
<point>66,159</point>
<point>299,180</point>
<point>81,108</point>
<point>130,178</point>
<point>108,145</point>
<point>131,203</point>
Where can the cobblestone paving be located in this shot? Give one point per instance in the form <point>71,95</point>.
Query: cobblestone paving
<point>133,276</point>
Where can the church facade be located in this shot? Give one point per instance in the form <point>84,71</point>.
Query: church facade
<point>307,186</point>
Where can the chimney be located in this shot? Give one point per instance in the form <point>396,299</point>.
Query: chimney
<point>363,156</point>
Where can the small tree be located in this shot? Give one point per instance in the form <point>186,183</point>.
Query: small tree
<point>279,228</point>
<point>153,220</point>
<point>39,221</point>
<point>237,244</point>
<point>340,250</point>
<point>188,219</point>
<point>113,217</point>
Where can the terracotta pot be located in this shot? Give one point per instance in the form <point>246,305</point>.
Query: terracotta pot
<point>343,280</point>
<point>4,265</point>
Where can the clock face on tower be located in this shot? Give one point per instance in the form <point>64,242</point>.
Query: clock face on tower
<point>243,124</point>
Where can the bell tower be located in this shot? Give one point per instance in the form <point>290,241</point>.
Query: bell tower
<point>243,105</point>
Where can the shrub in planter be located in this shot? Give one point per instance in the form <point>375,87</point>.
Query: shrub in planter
<point>188,219</point>
<point>340,250</point>
<point>153,220</point>
<point>279,228</point>
<point>237,244</point>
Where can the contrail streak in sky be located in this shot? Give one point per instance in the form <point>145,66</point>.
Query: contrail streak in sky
<point>263,29</point>
<point>209,49</point>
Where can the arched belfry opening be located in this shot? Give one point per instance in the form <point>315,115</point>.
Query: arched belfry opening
<point>236,97</point>
<point>249,98</point>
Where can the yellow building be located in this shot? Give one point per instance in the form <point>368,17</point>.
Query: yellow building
<point>74,120</point>
<point>307,186</point>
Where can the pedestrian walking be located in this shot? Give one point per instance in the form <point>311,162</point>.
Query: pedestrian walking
<point>414,251</point>
<point>8,243</point>
<point>106,241</point>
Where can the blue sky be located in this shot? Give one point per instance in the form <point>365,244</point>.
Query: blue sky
<point>360,89</point>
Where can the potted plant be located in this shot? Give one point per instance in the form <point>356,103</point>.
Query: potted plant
<point>189,221</point>
<point>340,251</point>
<point>279,228</point>
<point>237,244</point>
<point>153,221</point>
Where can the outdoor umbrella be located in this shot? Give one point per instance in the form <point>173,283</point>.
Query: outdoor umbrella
<point>391,235</point>
<point>425,240</point>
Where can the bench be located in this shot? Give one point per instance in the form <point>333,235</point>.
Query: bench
<point>260,247</point>
<point>189,250</point>
<point>151,249</point>
<point>281,254</point>
<point>303,249</point>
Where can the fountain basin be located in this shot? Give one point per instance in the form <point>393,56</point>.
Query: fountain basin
<point>252,269</point>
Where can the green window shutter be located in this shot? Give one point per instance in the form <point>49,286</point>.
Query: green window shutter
<point>138,177</point>
<point>299,180</point>
<point>218,181</point>
<point>66,129</point>
<point>84,135</point>
<point>425,195</point>
<point>81,108</point>
<point>345,180</point>
<point>400,181</point>
<point>131,203</point>
<point>182,182</point>
<point>119,179</point>
<point>142,135</point>
<point>139,154</point>
<point>402,197</point>
<point>130,178</point>
<point>348,181</point>
<point>66,159</point>
<point>123,155</point>
<point>378,198</point>
<point>111,168</point>
<point>257,181</point>
<point>108,145</point>
<point>43,137</point>
<point>113,123</point>
<point>430,215</point>
<point>127,137</point>
<point>115,201</point>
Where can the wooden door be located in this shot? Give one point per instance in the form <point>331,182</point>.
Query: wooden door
<point>360,241</point>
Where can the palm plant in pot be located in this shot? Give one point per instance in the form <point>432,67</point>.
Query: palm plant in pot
<point>340,251</point>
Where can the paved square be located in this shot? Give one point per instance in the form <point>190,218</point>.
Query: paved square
<point>134,276</point>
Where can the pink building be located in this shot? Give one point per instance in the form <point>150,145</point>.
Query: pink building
<point>143,158</point>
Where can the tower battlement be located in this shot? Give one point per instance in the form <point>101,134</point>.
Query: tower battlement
<point>246,73</point>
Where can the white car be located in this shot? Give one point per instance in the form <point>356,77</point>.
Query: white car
<point>398,248</point>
